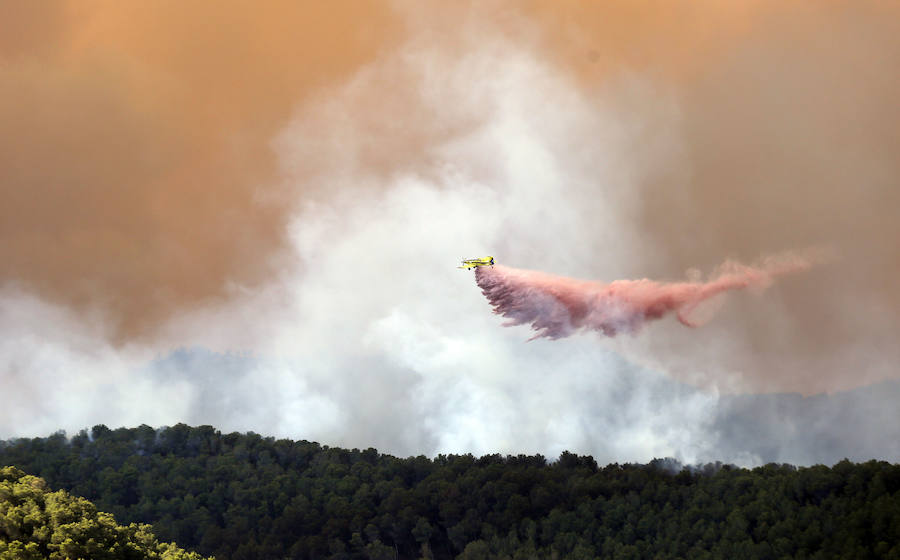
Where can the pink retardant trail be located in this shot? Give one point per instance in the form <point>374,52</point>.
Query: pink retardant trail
<point>557,307</point>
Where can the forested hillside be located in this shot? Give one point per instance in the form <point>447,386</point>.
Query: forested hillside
<point>36,523</point>
<point>243,496</point>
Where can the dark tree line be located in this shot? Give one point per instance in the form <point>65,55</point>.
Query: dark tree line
<point>242,496</point>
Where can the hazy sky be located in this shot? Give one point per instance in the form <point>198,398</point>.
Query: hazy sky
<point>295,183</point>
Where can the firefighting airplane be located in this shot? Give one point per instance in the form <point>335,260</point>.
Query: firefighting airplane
<point>470,264</point>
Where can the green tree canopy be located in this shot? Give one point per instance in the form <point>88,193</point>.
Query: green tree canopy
<point>244,497</point>
<point>37,523</point>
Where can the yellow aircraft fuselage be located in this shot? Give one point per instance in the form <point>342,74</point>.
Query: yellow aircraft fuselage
<point>469,264</point>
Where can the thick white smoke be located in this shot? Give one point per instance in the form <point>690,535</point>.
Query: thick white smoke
<point>371,336</point>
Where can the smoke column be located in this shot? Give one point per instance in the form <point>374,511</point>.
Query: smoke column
<point>556,306</point>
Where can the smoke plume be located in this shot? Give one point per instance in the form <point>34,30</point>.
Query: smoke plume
<point>294,181</point>
<point>557,307</point>
<point>136,173</point>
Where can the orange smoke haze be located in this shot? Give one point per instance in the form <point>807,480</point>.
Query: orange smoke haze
<point>136,172</point>
<point>557,307</point>
<point>788,133</point>
<point>138,175</point>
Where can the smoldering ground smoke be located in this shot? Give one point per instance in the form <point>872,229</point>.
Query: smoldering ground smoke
<point>557,307</point>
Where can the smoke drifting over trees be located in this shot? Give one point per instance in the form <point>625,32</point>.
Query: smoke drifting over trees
<point>295,184</point>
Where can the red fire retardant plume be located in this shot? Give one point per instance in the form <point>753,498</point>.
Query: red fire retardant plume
<point>557,307</point>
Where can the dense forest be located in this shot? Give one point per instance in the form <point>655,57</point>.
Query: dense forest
<point>242,496</point>
<point>37,523</point>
